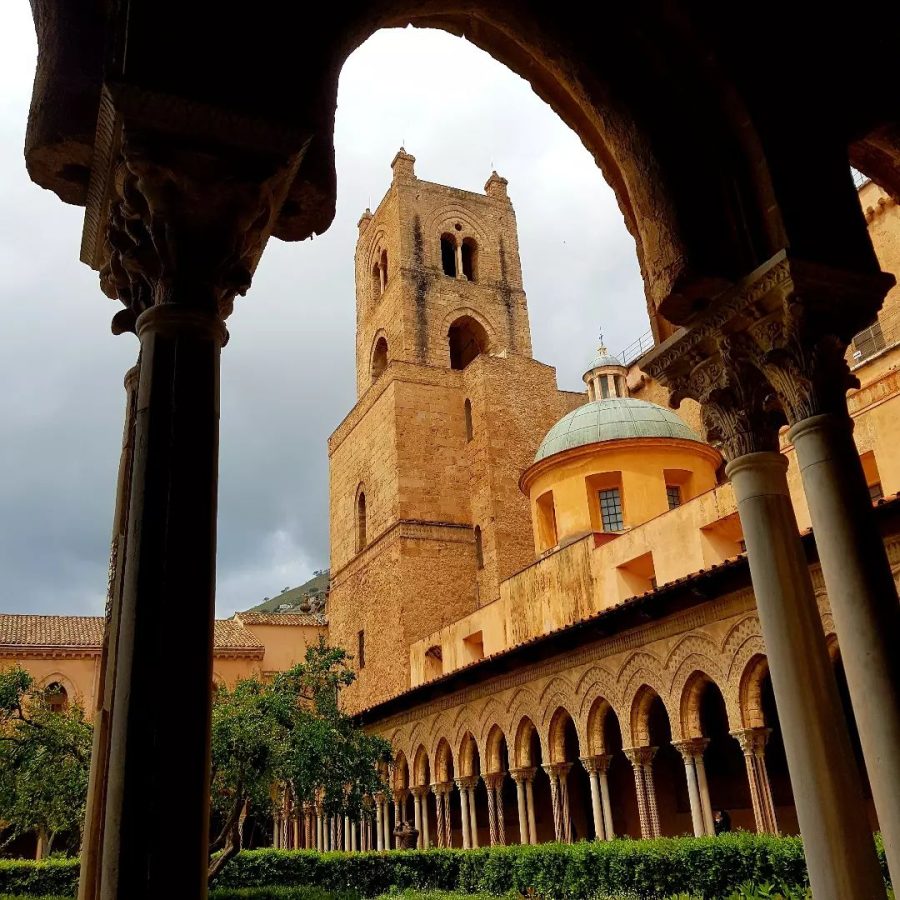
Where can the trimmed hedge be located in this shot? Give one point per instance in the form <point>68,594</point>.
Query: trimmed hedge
<point>708,867</point>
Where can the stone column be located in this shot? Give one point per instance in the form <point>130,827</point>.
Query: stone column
<point>703,789</point>
<point>89,881</point>
<point>590,766</point>
<point>863,599</point>
<point>348,835</point>
<point>446,790</point>
<point>426,823</point>
<point>276,831</point>
<point>753,744</point>
<point>464,813</point>
<point>725,373</point>
<point>379,821</point>
<point>494,782</point>
<point>418,794</point>
<point>641,759</point>
<point>439,812</point>
<point>501,815</point>
<point>176,229</point>
<point>603,775</point>
<point>522,803</point>
<point>320,830</point>
<point>529,797</point>
<point>459,263</point>
<point>688,751</point>
<point>473,836</point>
<point>562,772</point>
<point>386,828</point>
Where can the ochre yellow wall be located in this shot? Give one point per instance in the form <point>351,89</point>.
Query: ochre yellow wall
<point>285,645</point>
<point>638,467</point>
<point>77,674</point>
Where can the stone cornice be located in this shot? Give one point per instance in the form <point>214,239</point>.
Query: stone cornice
<point>23,651</point>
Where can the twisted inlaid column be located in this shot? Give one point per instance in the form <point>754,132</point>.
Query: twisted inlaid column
<point>555,802</point>
<point>753,744</point>
<point>641,759</point>
<point>494,784</point>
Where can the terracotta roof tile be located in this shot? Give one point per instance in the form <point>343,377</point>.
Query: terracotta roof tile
<point>229,635</point>
<point>255,618</point>
<point>51,631</point>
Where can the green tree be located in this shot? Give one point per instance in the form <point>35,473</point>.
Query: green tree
<point>45,757</point>
<point>290,733</point>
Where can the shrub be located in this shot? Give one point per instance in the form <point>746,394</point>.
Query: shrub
<point>667,867</point>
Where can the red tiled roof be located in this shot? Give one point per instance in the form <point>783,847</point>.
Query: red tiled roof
<point>255,618</point>
<point>51,631</point>
<point>17,631</point>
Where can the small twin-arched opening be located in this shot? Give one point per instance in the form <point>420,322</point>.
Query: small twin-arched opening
<point>467,339</point>
<point>57,697</point>
<point>362,523</point>
<point>379,275</point>
<point>379,357</point>
<point>459,259</point>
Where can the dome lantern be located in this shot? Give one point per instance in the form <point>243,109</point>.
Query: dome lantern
<point>605,377</point>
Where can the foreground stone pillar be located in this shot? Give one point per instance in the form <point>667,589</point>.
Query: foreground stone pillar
<point>522,804</point>
<point>590,766</point>
<point>753,744</point>
<point>863,599</point>
<point>89,880</point>
<point>418,796</point>
<point>836,834</point>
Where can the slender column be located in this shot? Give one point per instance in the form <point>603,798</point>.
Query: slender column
<point>417,793</point>
<point>473,782</point>
<point>501,816</point>
<point>590,765</point>
<point>529,796</point>
<point>837,837</point>
<point>555,802</point>
<point>703,789</point>
<point>490,783</point>
<point>565,813</point>
<point>863,598</point>
<point>386,827</point>
<point>347,836</point>
<point>276,831</point>
<point>688,752</point>
<point>522,804</point>
<point>753,744</point>
<point>89,880</point>
<point>448,835</point>
<point>464,813</point>
<point>641,758</point>
<point>459,264</point>
<point>426,824</point>
<point>436,789</point>
<point>603,776</point>
<point>320,831</point>
<point>379,821</point>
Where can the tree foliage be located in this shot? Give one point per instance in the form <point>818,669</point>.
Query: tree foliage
<point>290,734</point>
<point>44,761</point>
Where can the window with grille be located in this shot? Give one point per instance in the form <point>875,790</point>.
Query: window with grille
<point>611,509</point>
<point>673,494</point>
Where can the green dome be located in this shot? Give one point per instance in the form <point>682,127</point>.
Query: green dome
<point>614,419</point>
<point>604,359</point>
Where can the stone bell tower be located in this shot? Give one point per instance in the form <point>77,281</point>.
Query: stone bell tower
<point>438,277</point>
<point>426,517</point>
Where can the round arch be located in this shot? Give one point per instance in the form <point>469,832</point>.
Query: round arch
<point>467,339</point>
<point>379,357</point>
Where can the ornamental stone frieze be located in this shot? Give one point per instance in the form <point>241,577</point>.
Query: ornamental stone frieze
<point>770,350</point>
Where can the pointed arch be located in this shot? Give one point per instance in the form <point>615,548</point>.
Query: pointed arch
<point>443,762</point>
<point>401,771</point>
<point>750,693</point>
<point>522,743</point>
<point>421,768</point>
<point>493,761</point>
<point>556,736</point>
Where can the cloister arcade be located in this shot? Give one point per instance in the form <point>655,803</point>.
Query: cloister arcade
<point>648,746</point>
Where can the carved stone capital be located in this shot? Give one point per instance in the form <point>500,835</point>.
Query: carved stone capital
<point>400,795</point>
<point>494,780</point>
<point>640,756</point>
<point>523,775</point>
<point>752,740</point>
<point>467,782</point>
<point>442,787</point>
<point>692,747</point>
<point>768,350</point>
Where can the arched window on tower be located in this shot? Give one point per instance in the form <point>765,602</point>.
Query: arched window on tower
<point>479,548</point>
<point>376,281</point>
<point>467,339</point>
<point>467,409</point>
<point>469,258</point>
<point>448,255</point>
<point>361,521</point>
<point>379,357</point>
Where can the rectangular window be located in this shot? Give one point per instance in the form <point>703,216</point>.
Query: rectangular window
<point>604,386</point>
<point>361,648</point>
<point>673,493</point>
<point>875,491</point>
<point>611,509</point>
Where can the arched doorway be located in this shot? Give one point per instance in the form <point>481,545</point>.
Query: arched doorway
<point>467,339</point>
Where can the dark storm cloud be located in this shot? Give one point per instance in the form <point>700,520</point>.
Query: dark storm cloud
<point>288,371</point>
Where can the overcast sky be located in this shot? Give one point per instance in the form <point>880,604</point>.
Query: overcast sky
<point>288,370</point>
